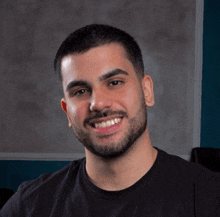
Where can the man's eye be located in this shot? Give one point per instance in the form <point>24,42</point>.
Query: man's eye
<point>80,92</point>
<point>115,83</point>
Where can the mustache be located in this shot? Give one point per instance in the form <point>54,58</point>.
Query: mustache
<point>105,114</point>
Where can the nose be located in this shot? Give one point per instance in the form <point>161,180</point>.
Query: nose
<point>99,101</point>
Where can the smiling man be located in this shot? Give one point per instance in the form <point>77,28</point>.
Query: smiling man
<point>106,96</point>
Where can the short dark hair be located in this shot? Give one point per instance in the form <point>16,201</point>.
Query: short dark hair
<point>96,35</point>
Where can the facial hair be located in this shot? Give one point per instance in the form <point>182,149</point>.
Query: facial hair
<point>137,126</point>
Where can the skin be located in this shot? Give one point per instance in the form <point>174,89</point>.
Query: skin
<point>108,82</point>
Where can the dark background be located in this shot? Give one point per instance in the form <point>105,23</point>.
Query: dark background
<point>33,126</point>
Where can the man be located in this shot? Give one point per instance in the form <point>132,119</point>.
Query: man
<point>105,98</point>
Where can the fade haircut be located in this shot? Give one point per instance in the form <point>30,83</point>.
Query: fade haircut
<point>96,35</point>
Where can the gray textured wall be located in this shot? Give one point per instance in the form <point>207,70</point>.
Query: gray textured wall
<point>31,32</point>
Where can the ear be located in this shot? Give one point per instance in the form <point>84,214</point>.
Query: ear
<point>147,85</point>
<point>64,107</point>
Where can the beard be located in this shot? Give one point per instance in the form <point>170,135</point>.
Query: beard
<point>137,126</point>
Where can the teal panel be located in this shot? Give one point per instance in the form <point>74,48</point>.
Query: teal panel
<point>210,113</point>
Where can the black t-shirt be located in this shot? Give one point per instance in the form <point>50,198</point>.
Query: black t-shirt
<point>172,187</point>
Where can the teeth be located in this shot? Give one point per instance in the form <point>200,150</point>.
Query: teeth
<point>107,123</point>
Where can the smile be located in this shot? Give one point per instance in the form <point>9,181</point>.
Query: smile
<point>107,123</point>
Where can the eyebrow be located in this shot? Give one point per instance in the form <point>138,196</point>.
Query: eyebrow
<point>112,73</point>
<point>101,78</point>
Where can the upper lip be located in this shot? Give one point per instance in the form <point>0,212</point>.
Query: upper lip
<point>99,120</point>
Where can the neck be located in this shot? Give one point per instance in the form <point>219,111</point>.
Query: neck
<point>122,172</point>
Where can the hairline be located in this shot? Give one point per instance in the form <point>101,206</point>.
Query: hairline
<point>139,72</point>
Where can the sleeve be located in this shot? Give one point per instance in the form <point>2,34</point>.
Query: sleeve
<point>22,202</point>
<point>207,194</point>
<point>13,206</point>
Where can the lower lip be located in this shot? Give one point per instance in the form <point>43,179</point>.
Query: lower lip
<point>108,130</point>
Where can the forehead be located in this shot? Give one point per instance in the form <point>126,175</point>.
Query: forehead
<point>95,62</point>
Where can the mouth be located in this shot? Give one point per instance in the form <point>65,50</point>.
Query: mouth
<point>107,123</point>
<point>106,126</point>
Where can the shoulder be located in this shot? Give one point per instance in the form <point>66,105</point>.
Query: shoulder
<point>33,192</point>
<point>52,181</point>
<point>52,178</point>
<point>178,171</point>
<point>178,165</point>
<point>196,180</point>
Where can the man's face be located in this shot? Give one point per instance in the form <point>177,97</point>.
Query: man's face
<point>103,99</point>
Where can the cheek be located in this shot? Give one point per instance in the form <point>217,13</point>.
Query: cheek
<point>132,98</point>
<point>77,113</point>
